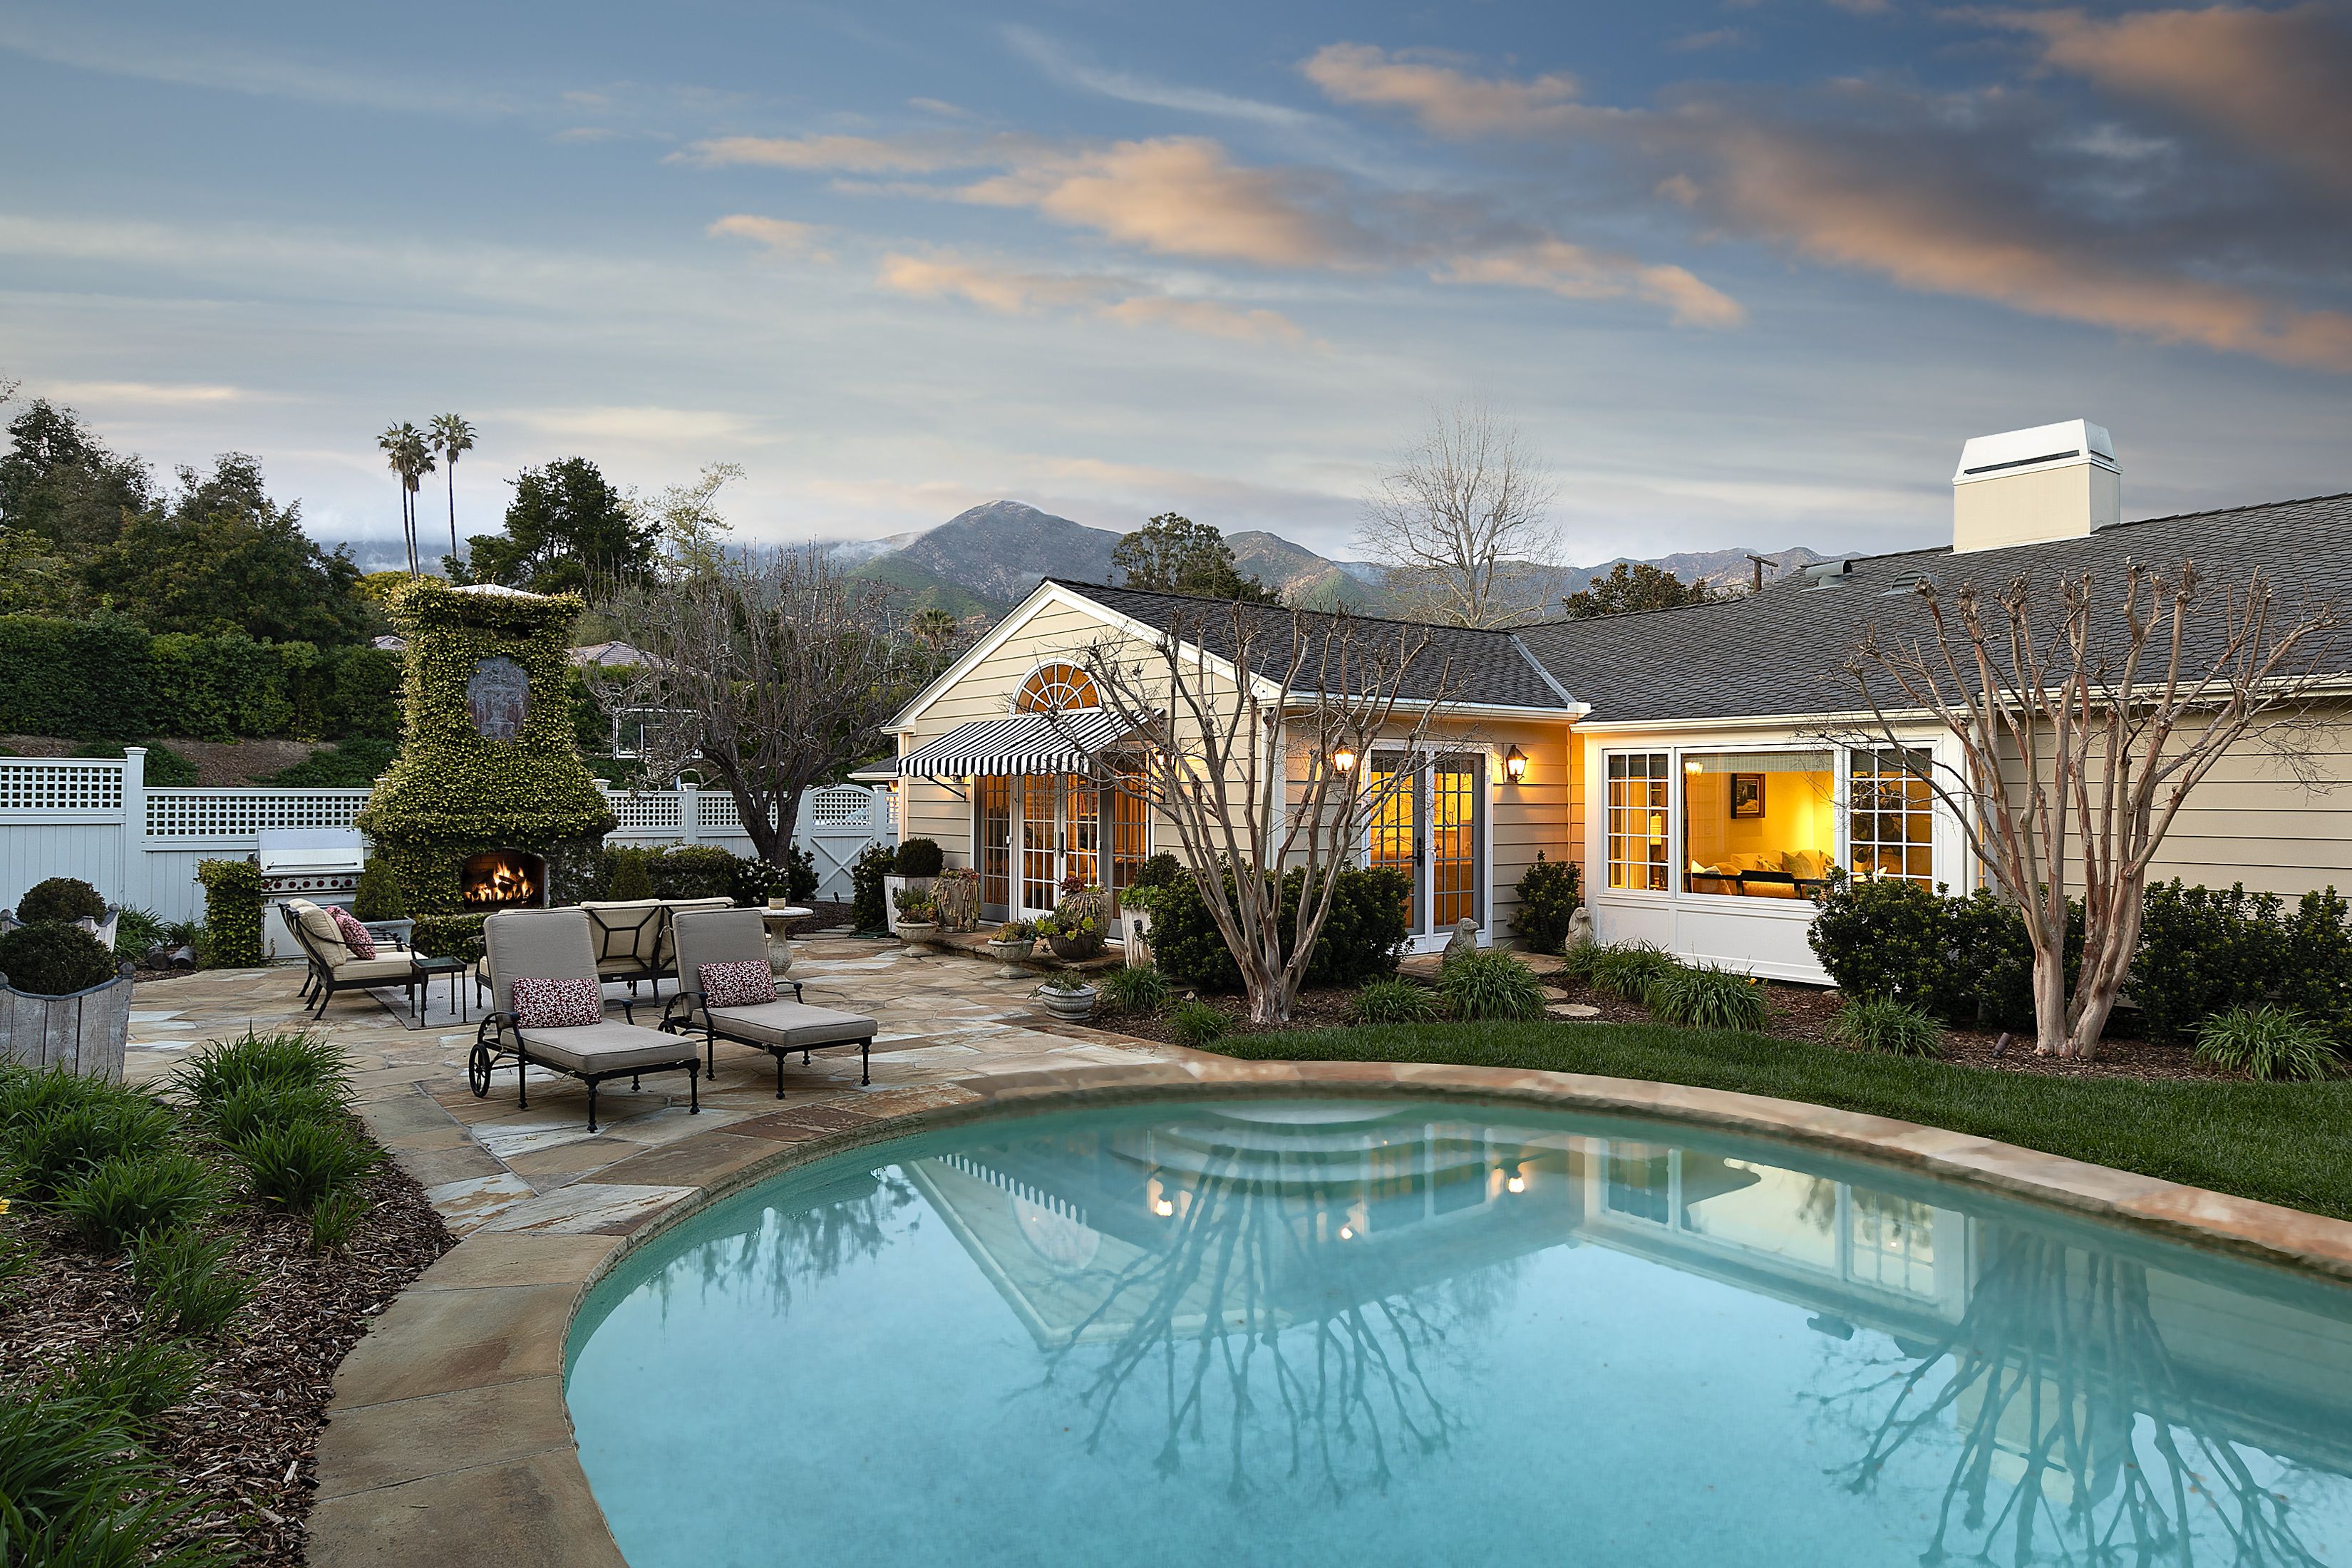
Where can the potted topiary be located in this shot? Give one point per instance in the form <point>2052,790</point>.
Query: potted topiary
<point>1014,941</point>
<point>917,920</point>
<point>1068,998</point>
<point>73,900</point>
<point>63,1000</point>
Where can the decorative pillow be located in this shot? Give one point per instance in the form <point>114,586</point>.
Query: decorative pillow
<point>556,1004</point>
<point>355,936</point>
<point>746,983</point>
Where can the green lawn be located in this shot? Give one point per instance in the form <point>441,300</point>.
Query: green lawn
<point>2283,1143</point>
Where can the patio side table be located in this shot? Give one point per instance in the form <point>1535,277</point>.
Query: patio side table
<point>423,971</point>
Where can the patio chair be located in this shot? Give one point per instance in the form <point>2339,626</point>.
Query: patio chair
<point>632,936</point>
<point>778,1028</point>
<point>553,944</point>
<point>333,966</point>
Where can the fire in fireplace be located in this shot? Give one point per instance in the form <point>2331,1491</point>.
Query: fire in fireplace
<point>504,879</point>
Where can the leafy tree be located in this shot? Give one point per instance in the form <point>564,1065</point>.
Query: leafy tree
<point>686,518</point>
<point>565,526</point>
<point>60,483</point>
<point>222,557</point>
<point>1634,586</point>
<point>1173,554</point>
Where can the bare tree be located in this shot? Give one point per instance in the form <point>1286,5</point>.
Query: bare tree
<point>1220,706</point>
<point>773,670</point>
<point>2108,709</point>
<point>1462,524</point>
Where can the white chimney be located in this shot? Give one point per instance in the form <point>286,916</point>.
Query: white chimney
<point>2021,486</point>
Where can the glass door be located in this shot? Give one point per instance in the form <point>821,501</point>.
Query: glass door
<point>1453,881</point>
<point>1041,842</point>
<point>996,842</point>
<point>1396,832</point>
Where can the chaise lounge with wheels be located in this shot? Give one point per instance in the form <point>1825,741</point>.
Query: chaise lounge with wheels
<point>723,979</point>
<point>549,1013</point>
<point>334,964</point>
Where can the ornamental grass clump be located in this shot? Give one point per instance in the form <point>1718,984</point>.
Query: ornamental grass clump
<point>1489,983</point>
<point>298,1164</point>
<point>78,1491</point>
<point>1135,988</point>
<point>1393,1001</point>
<point>1578,958</point>
<point>2267,1042</point>
<point>1889,1028</point>
<point>1706,997</point>
<point>137,1378</point>
<point>52,1149</point>
<point>294,1060</point>
<point>187,1279</point>
<point>112,1204</point>
<point>1627,969</point>
<point>1198,1025</point>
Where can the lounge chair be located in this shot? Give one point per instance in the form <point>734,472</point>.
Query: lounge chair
<point>333,966</point>
<point>633,939</point>
<point>778,1028</point>
<point>553,944</point>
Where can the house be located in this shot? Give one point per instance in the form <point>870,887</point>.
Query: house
<point>1705,766</point>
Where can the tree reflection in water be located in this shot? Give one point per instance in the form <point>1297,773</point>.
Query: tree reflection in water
<point>2062,1386</point>
<point>798,1240</point>
<point>1252,1297</point>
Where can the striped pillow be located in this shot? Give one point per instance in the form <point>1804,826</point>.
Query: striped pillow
<point>555,1004</point>
<point>745,984</point>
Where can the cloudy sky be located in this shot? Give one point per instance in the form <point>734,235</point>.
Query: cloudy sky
<point>1746,273</point>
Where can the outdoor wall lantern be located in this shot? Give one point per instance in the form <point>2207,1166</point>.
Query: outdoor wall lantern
<point>1344,758</point>
<point>1514,765</point>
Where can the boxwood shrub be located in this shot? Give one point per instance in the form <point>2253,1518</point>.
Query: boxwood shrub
<point>1548,900</point>
<point>50,957</point>
<point>61,899</point>
<point>1363,938</point>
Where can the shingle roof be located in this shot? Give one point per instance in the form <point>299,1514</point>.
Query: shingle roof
<point>1483,666</point>
<point>1783,650</point>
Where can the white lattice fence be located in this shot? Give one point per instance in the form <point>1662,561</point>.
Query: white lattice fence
<point>181,814</point>
<point>53,788</point>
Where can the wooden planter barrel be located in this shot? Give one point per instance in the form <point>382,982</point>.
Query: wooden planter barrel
<point>84,1033</point>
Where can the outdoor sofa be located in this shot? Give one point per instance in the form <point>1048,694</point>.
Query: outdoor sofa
<point>778,1028</point>
<point>555,945</point>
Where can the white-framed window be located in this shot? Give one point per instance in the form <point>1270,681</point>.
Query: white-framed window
<point>1638,841</point>
<point>1891,815</point>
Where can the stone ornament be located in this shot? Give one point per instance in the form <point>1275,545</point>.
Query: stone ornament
<point>498,695</point>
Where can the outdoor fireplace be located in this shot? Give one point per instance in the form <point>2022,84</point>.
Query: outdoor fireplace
<point>503,879</point>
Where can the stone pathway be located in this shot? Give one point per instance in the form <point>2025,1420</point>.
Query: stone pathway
<point>488,1165</point>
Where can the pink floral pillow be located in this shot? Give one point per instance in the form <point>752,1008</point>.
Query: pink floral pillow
<point>354,934</point>
<point>746,983</point>
<point>556,1004</point>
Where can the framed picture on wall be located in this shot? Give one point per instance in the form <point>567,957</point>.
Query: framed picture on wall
<point>1747,795</point>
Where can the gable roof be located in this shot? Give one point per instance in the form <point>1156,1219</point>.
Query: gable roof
<point>1488,668</point>
<point>1783,650</point>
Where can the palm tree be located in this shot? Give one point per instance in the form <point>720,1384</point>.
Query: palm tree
<point>406,454</point>
<point>451,435</point>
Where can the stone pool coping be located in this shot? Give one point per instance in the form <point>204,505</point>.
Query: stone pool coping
<point>447,1438</point>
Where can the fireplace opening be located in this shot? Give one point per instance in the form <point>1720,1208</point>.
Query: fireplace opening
<point>504,879</point>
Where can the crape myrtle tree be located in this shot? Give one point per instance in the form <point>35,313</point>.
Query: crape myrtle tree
<point>2083,717</point>
<point>1462,521</point>
<point>1237,718</point>
<point>768,669</point>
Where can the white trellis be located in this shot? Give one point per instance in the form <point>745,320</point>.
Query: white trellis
<point>96,819</point>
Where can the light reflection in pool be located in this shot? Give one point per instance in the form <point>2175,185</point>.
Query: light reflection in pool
<point>1320,1332</point>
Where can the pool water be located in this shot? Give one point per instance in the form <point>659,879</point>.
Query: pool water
<point>1323,1332</point>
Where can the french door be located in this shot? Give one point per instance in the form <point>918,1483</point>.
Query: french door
<point>1061,837</point>
<point>1430,828</point>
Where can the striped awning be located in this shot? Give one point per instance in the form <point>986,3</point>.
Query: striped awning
<point>1062,742</point>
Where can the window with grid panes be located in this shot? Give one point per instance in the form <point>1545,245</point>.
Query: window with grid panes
<point>1892,817</point>
<point>1638,782</point>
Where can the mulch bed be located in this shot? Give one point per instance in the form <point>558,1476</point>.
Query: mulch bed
<point>1799,1012</point>
<point>247,1436</point>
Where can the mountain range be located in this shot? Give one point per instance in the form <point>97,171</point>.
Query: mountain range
<point>983,561</point>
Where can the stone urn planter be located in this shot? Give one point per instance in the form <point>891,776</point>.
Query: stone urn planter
<point>1011,952</point>
<point>84,1033</point>
<point>914,933</point>
<point>892,886</point>
<point>1071,1007</point>
<point>1076,947</point>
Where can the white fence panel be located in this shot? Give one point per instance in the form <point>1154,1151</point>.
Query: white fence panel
<point>96,819</point>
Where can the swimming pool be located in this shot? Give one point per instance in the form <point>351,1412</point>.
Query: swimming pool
<point>1327,1331</point>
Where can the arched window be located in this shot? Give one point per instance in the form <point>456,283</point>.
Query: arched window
<point>1052,688</point>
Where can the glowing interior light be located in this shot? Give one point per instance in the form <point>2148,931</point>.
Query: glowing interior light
<point>1517,1184</point>
<point>1163,1208</point>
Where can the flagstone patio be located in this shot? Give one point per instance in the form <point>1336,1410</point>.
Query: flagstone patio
<point>488,1165</point>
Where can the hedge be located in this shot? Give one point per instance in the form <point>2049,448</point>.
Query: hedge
<point>1363,938</point>
<point>232,934</point>
<point>109,679</point>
